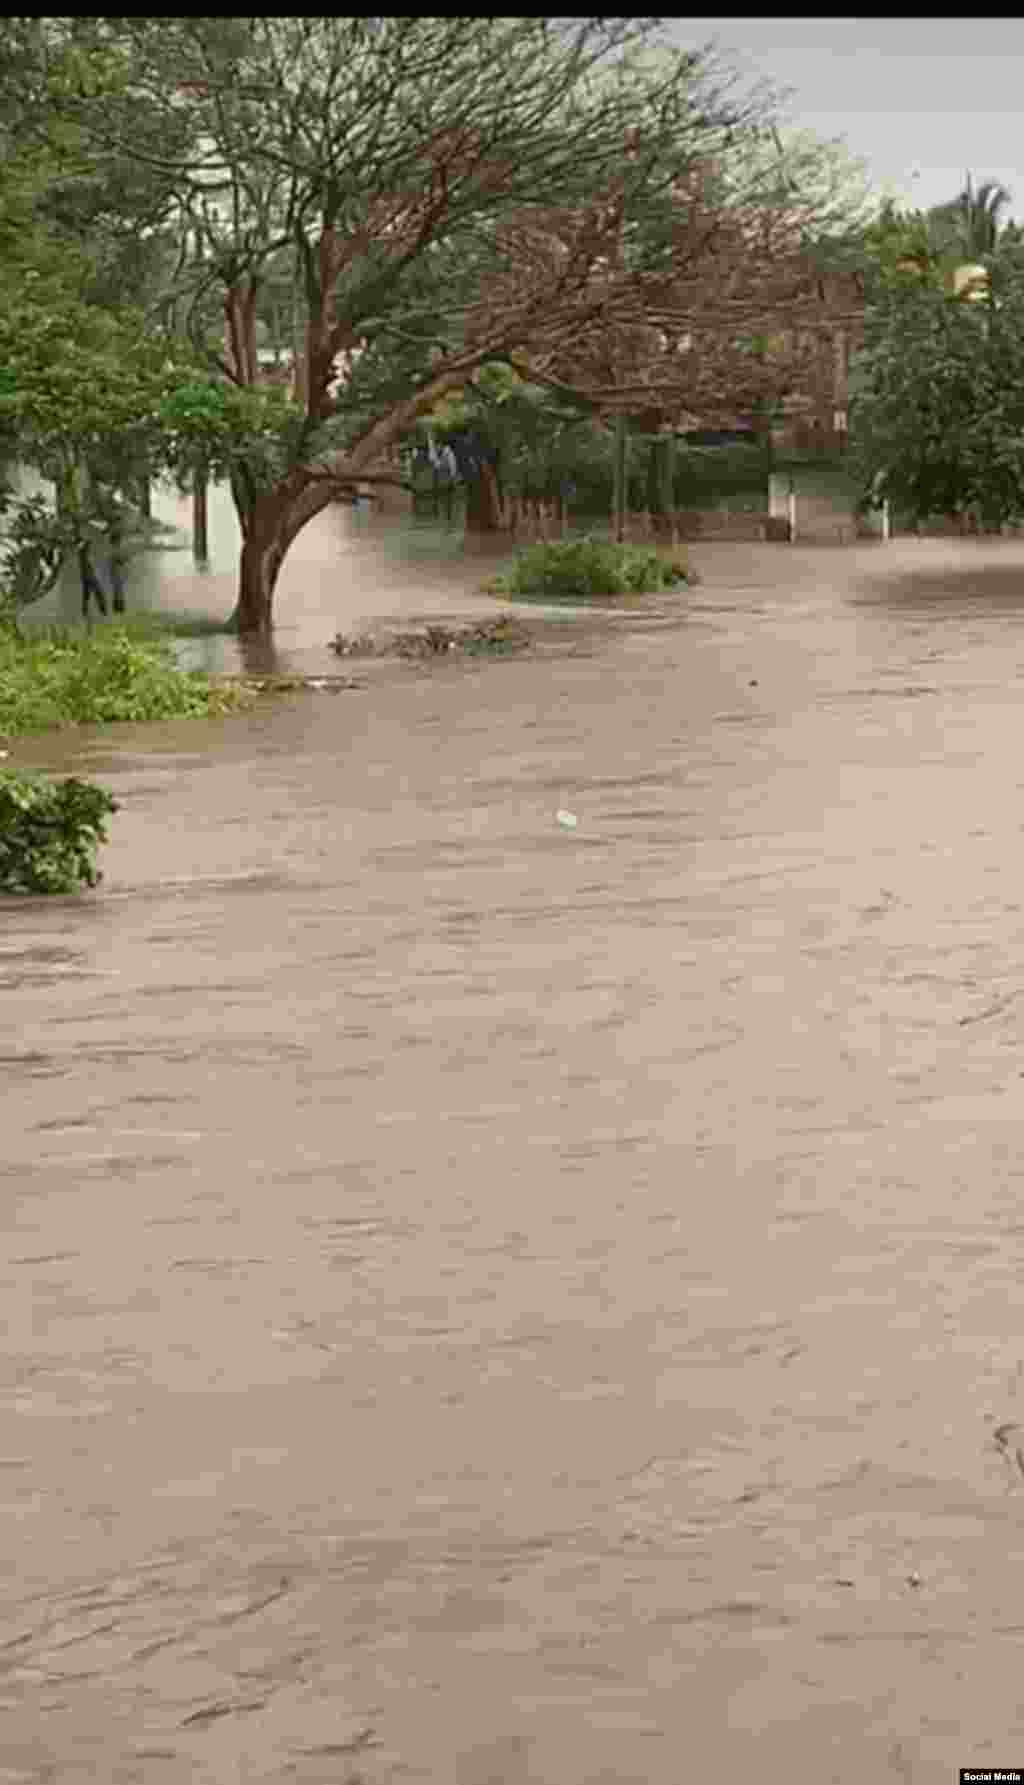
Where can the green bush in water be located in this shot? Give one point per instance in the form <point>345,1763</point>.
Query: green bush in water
<point>92,678</point>
<point>50,832</point>
<point>592,567</point>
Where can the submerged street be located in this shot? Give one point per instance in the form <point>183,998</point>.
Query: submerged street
<point>500,1304</point>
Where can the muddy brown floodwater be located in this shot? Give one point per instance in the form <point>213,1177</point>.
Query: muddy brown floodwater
<point>492,1303</point>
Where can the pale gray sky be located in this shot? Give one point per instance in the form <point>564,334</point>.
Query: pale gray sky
<point>936,95</point>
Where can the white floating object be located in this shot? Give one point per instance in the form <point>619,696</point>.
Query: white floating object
<point>568,819</point>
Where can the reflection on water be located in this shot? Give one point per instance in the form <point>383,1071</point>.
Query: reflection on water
<point>500,1304</point>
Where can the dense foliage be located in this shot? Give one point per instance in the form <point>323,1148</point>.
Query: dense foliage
<point>113,673</point>
<point>938,404</point>
<point>544,448</point>
<point>584,568</point>
<point>92,400</point>
<point>50,832</point>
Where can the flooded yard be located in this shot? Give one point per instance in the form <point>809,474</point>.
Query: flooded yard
<point>502,1304</point>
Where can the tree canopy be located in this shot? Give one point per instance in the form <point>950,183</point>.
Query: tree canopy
<point>938,408</point>
<point>440,195</point>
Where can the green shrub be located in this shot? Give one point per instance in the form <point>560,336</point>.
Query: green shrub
<point>90,678</point>
<point>585,568</point>
<point>49,832</point>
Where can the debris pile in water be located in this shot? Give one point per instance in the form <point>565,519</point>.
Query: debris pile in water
<point>485,638</point>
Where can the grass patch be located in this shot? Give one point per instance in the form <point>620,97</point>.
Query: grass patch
<point>116,673</point>
<point>591,569</point>
<point>177,625</point>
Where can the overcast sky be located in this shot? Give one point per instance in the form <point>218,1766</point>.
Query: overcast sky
<point>939,96</point>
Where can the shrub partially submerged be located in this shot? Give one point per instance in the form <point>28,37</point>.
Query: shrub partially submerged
<point>114,673</point>
<point>583,569</point>
<point>50,832</point>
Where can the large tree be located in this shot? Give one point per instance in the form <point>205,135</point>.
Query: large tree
<point>451,191</point>
<point>937,419</point>
<point>740,291</point>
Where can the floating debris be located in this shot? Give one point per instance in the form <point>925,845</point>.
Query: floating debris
<point>992,1009</point>
<point>485,638</point>
<point>568,820</point>
<point>361,645</point>
<point>283,684</point>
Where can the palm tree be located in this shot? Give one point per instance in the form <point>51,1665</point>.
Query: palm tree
<point>971,225</point>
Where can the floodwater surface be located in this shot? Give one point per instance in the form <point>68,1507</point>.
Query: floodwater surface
<point>488,1302</point>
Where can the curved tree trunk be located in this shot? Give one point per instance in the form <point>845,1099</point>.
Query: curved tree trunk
<point>272,519</point>
<point>269,528</point>
<point>258,571</point>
